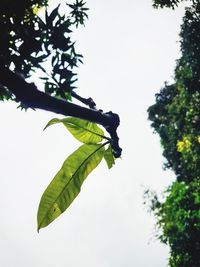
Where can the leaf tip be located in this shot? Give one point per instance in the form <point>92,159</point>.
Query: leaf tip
<point>38,228</point>
<point>51,122</point>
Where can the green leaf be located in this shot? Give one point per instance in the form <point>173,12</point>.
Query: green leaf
<point>109,158</point>
<point>84,131</point>
<point>67,183</point>
<point>51,122</point>
<point>53,14</point>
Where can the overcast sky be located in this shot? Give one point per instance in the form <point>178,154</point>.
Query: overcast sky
<point>129,51</point>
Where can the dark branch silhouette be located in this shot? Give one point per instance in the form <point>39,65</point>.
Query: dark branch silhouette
<point>29,95</point>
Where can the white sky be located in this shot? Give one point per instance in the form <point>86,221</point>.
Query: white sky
<point>130,50</point>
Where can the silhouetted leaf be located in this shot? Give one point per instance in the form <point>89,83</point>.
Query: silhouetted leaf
<point>53,14</point>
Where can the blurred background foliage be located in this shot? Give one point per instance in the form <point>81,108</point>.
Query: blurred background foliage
<point>175,116</point>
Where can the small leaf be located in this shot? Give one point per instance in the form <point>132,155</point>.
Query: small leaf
<point>84,131</point>
<point>50,18</point>
<point>109,158</point>
<point>67,183</point>
<point>53,14</point>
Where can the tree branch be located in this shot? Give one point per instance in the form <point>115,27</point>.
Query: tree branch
<point>87,101</point>
<point>29,95</point>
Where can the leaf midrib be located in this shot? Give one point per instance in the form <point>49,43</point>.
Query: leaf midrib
<point>78,126</point>
<point>71,180</point>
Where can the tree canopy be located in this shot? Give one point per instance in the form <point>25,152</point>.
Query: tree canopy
<point>175,116</point>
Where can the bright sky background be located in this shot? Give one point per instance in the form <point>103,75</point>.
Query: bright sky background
<point>130,50</point>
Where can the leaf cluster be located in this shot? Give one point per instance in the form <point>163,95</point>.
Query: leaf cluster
<point>166,3</point>
<point>67,183</point>
<point>176,116</point>
<point>179,218</point>
<point>30,42</point>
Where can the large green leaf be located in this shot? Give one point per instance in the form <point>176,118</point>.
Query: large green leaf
<point>67,183</point>
<point>109,158</point>
<point>84,131</point>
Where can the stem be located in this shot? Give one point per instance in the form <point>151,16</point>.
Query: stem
<point>87,101</point>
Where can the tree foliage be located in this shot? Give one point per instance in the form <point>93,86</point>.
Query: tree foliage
<point>175,116</point>
<point>30,44</point>
<point>166,3</point>
<point>29,41</point>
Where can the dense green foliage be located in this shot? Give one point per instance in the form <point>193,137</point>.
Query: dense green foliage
<point>179,219</point>
<point>176,118</point>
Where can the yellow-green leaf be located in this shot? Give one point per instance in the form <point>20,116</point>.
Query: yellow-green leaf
<point>67,183</point>
<point>84,131</point>
<point>51,122</point>
<point>109,158</point>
